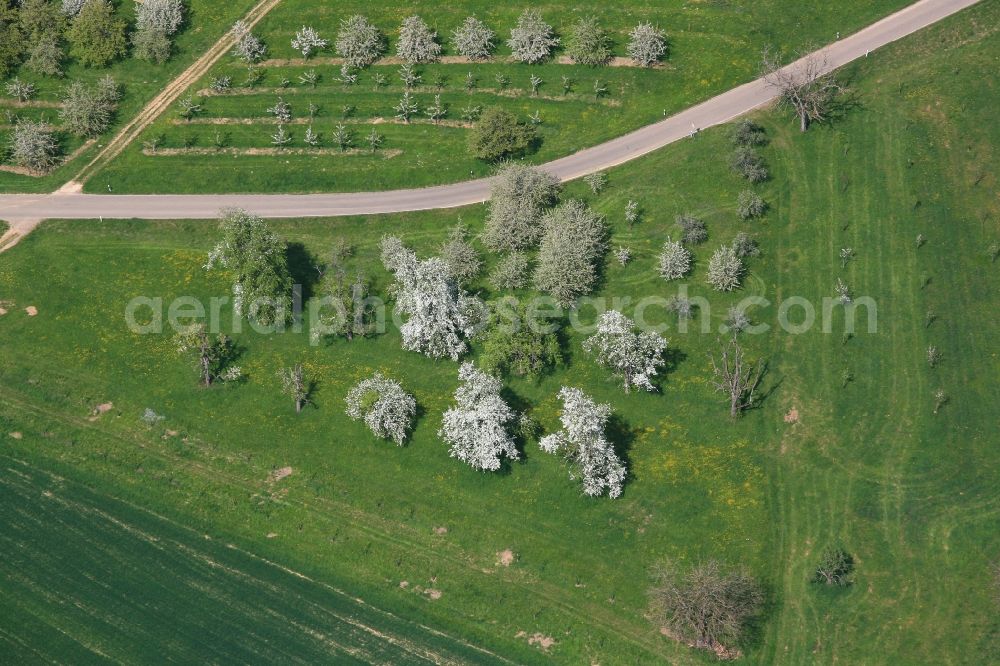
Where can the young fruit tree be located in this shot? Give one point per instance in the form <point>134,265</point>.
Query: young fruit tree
<point>736,377</point>
<point>359,42</point>
<point>255,257</point>
<point>20,90</point>
<point>439,313</point>
<point>499,135</point>
<point>583,443</point>
<point>295,386</point>
<point>635,357</point>
<point>211,356</point>
<point>532,40</point>
<point>706,606</point>
<point>417,42</point>
<point>809,88</point>
<point>588,43</point>
<point>307,41</point>
<point>385,407</point>
<point>647,45</point>
<point>519,197</point>
<point>674,260</point>
<point>474,39</point>
<point>478,427</point>
<point>573,244</point>
<point>33,145</point>
<point>248,47</point>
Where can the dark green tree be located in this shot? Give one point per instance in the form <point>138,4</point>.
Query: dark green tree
<point>96,36</point>
<point>499,134</point>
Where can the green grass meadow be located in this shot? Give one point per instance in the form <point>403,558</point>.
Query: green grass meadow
<point>713,47</point>
<point>869,466</point>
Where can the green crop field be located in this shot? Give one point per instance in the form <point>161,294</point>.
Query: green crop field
<point>151,582</point>
<point>713,46</point>
<point>414,537</point>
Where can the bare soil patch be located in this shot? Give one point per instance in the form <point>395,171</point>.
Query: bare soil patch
<point>279,474</point>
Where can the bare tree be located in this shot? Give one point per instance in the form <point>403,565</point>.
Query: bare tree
<point>807,86</point>
<point>736,377</point>
<point>706,606</point>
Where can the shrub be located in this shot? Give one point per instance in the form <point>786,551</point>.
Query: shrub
<point>834,568</point>
<point>750,205</point>
<point>746,162</point>
<point>694,230</point>
<point>513,344</point>
<point>748,134</point>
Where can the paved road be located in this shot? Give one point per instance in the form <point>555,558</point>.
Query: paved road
<point>25,209</point>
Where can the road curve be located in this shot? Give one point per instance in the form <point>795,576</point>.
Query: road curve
<point>724,107</point>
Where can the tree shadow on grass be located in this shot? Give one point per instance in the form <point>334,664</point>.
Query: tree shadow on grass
<point>302,268</point>
<point>622,437</point>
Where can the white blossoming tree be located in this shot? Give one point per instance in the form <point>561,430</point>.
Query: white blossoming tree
<point>532,40</point>
<point>647,45</point>
<point>725,269</point>
<point>385,407</point>
<point>249,47</point>
<point>478,426</point>
<point>674,260</point>
<point>359,42</point>
<point>33,145</point>
<point>417,42</point>
<point>635,357</point>
<point>583,443</point>
<point>307,41</point>
<point>165,16</point>
<point>474,39</point>
<point>72,7</point>
<point>439,314</point>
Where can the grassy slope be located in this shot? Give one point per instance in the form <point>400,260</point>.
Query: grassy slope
<point>714,46</point>
<point>207,21</point>
<point>869,466</point>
